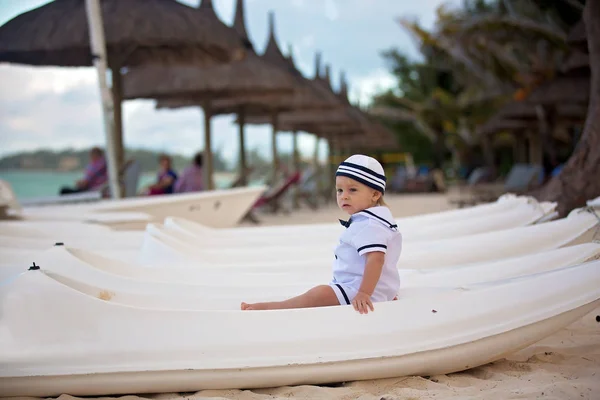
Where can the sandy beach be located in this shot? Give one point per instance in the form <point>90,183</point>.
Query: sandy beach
<point>563,366</point>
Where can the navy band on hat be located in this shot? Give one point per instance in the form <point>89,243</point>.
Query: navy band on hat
<point>364,175</point>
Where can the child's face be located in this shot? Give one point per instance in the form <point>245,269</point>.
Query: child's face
<point>353,196</point>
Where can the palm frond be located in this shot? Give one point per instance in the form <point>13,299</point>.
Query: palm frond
<point>515,25</point>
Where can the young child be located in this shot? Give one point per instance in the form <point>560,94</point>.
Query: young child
<point>364,269</point>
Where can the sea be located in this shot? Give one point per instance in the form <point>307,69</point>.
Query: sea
<point>32,184</point>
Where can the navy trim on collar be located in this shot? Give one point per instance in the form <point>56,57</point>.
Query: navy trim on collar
<point>390,225</point>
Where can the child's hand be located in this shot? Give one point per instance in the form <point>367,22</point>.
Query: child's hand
<point>362,303</point>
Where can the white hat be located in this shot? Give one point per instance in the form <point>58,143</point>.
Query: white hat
<point>365,170</point>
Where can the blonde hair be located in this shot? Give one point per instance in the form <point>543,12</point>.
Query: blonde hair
<point>381,201</point>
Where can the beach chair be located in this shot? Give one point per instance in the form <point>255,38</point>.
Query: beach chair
<point>130,177</point>
<point>307,189</point>
<point>272,196</point>
<point>521,179</point>
<point>239,180</point>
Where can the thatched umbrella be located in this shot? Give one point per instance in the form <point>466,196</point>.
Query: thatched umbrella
<point>137,32</point>
<point>307,94</point>
<point>577,37</point>
<point>577,62</point>
<point>251,82</point>
<point>496,124</point>
<point>564,89</point>
<point>523,110</point>
<point>571,85</point>
<point>304,96</point>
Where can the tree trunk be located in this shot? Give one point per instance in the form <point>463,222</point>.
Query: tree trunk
<point>579,181</point>
<point>439,149</point>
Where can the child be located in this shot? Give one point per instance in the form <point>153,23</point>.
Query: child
<point>365,268</point>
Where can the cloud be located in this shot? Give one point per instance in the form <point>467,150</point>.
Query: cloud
<point>364,87</point>
<point>331,10</point>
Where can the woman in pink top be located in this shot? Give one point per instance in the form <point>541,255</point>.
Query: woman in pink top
<point>191,178</point>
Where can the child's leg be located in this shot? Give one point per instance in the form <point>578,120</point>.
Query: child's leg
<point>319,296</point>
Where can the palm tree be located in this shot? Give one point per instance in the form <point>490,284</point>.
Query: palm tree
<point>578,181</point>
<point>493,52</point>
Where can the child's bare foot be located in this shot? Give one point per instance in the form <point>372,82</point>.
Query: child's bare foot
<point>255,306</point>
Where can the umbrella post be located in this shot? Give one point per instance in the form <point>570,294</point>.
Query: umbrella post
<point>243,168</point>
<point>318,169</point>
<point>275,128</point>
<point>296,167</point>
<point>98,48</point>
<point>117,92</point>
<point>208,156</point>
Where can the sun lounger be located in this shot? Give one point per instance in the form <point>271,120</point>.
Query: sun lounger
<point>521,178</point>
<point>131,174</point>
<point>273,196</point>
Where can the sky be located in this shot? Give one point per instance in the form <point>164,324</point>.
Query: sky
<point>58,108</point>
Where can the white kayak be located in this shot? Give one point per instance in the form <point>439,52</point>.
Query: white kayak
<point>163,247</point>
<point>217,209</point>
<point>594,203</point>
<point>522,214</point>
<point>55,340</point>
<point>118,240</point>
<point>49,229</point>
<point>219,289</point>
<point>503,204</point>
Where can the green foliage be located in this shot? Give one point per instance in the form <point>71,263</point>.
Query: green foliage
<point>477,57</point>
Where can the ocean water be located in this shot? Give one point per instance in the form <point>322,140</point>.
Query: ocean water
<point>32,184</point>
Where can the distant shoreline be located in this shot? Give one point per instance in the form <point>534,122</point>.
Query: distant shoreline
<point>3,170</point>
<point>38,170</point>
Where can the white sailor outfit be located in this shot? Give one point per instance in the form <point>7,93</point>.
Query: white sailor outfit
<point>373,229</point>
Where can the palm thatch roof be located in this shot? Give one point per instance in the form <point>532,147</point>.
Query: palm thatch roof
<point>498,124</point>
<point>342,117</point>
<point>526,110</point>
<point>307,95</point>
<point>578,63</point>
<point>519,115</point>
<point>372,136</point>
<point>578,34</point>
<point>564,89</point>
<point>136,32</point>
<point>248,81</point>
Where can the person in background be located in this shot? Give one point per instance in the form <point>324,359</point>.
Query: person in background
<point>191,179</point>
<point>95,174</point>
<point>165,179</point>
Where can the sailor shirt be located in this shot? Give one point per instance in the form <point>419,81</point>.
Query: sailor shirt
<point>373,229</point>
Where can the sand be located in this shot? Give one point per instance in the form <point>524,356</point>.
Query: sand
<point>563,366</point>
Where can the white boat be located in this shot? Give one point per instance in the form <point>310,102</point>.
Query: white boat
<point>163,247</point>
<point>521,214</point>
<point>594,203</point>
<point>216,209</point>
<point>219,289</point>
<point>49,229</point>
<point>502,205</point>
<point>40,235</point>
<point>55,340</point>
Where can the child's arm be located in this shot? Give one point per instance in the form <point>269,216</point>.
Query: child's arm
<point>362,301</point>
